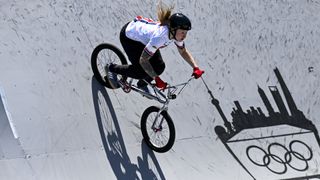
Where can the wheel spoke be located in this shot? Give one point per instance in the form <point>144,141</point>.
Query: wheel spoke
<point>106,56</point>
<point>159,136</point>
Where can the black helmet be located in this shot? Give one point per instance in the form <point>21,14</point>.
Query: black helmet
<point>179,21</point>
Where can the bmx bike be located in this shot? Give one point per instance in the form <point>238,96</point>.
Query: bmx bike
<point>156,125</point>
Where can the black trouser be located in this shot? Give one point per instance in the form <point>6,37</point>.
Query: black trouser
<point>134,50</point>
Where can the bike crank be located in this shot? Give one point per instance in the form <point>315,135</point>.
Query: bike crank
<point>125,86</point>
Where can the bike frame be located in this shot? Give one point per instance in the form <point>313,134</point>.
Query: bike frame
<point>159,94</point>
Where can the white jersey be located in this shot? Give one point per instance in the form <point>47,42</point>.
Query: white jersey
<point>150,33</point>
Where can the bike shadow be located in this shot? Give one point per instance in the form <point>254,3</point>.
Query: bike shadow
<point>147,167</point>
<point>113,143</point>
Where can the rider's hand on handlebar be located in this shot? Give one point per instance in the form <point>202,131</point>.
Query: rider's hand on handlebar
<point>160,84</point>
<point>197,72</point>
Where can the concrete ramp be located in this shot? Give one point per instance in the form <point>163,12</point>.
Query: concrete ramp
<point>255,115</point>
<point>9,144</point>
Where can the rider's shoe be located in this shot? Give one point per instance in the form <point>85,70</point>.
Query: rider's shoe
<point>147,90</point>
<point>111,77</point>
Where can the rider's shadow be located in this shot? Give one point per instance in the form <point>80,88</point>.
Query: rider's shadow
<point>113,143</point>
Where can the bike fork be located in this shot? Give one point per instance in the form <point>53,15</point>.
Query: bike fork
<point>159,127</point>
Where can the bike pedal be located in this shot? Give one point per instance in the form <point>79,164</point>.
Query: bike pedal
<point>126,89</point>
<point>125,86</point>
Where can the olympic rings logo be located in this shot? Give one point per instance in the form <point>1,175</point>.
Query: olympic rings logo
<point>285,160</point>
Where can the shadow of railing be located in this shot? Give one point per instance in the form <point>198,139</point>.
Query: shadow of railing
<point>114,145</point>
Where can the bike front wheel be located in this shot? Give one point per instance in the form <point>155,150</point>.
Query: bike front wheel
<point>103,55</point>
<point>158,133</point>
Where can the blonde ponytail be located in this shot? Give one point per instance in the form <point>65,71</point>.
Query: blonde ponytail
<point>164,12</point>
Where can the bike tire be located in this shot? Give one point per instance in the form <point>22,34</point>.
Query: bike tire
<point>144,129</point>
<point>119,58</point>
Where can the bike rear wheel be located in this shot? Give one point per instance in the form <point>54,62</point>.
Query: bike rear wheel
<point>105,54</point>
<point>160,136</point>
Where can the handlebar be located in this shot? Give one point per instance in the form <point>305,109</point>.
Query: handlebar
<point>174,86</point>
<point>172,89</point>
